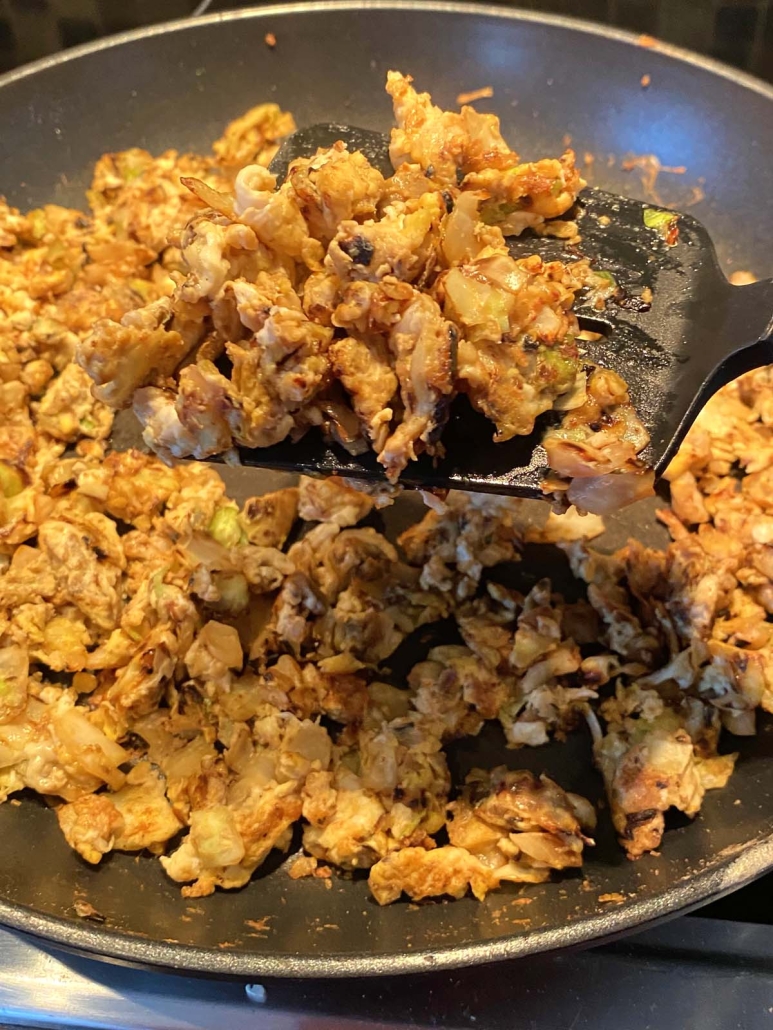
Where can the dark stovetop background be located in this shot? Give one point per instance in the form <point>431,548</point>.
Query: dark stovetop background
<point>739,32</point>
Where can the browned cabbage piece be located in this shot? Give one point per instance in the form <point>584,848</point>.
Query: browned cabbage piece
<point>654,757</point>
<point>506,826</point>
<point>254,137</point>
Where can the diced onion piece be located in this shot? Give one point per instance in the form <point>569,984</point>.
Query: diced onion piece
<point>741,724</point>
<point>223,643</point>
<point>549,849</point>
<point>311,742</point>
<point>222,202</point>
<point>580,460</point>
<point>603,495</point>
<point>208,552</point>
<point>547,324</point>
<point>459,242</point>
<point>583,810</point>
<point>89,746</point>
<point>188,760</point>
<point>574,398</point>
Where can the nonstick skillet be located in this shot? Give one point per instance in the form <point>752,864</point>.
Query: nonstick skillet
<point>176,85</point>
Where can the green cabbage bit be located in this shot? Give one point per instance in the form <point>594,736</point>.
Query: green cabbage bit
<point>556,369</point>
<point>157,584</point>
<point>11,480</point>
<point>606,276</point>
<point>38,223</point>
<point>226,527</point>
<point>132,163</point>
<point>492,213</point>
<point>663,222</point>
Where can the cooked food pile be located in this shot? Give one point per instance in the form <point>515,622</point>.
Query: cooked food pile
<point>343,302</point>
<point>194,678</point>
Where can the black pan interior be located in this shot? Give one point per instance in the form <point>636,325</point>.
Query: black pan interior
<point>177,86</point>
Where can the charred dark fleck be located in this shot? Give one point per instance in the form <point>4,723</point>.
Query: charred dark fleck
<point>661,784</point>
<point>529,343</point>
<point>440,415</point>
<point>358,249</point>
<point>147,659</point>
<point>100,553</point>
<point>453,339</point>
<point>595,427</point>
<point>448,201</point>
<point>430,172</point>
<point>630,302</point>
<point>636,819</point>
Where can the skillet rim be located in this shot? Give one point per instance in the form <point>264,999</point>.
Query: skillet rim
<point>130,949</point>
<point>708,64</point>
<point>120,946</point>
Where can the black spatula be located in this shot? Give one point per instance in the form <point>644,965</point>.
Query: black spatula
<point>697,333</point>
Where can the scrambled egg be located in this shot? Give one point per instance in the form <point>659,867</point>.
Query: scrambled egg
<point>189,677</point>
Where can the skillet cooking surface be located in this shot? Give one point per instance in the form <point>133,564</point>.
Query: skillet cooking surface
<point>177,85</point>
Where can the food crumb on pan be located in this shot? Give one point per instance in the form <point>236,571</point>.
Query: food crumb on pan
<point>261,925</point>
<point>650,168</point>
<point>476,94</point>
<point>304,865</point>
<point>645,81</point>
<point>270,40</point>
<point>85,910</point>
<point>742,277</point>
<point>615,897</point>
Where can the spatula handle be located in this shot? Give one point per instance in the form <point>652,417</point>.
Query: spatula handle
<point>748,331</point>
